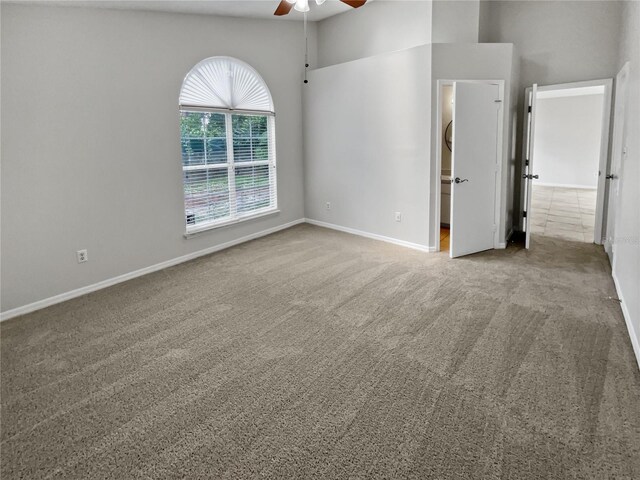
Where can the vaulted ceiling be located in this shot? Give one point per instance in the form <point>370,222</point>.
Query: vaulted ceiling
<point>233,8</point>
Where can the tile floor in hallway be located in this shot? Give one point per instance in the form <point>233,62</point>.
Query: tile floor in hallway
<point>567,213</point>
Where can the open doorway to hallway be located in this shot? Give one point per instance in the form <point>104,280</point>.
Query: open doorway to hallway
<point>568,142</point>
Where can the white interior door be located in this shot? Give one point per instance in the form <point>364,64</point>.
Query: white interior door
<point>618,151</point>
<point>474,165</point>
<point>530,95</point>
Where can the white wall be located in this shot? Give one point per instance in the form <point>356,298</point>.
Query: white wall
<point>377,27</point>
<point>475,62</point>
<point>627,241</point>
<point>90,147</point>
<point>389,25</point>
<point>367,144</point>
<point>455,21</point>
<point>557,41</point>
<point>567,140</point>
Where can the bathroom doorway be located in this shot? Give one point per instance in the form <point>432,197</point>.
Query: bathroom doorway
<point>468,159</point>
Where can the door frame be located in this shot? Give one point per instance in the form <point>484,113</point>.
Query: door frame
<point>438,189</point>
<point>527,156</point>
<point>603,164</point>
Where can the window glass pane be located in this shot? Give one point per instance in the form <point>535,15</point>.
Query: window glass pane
<point>203,138</point>
<point>250,138</point>
<point>253,191</point>
<point>206,195</point>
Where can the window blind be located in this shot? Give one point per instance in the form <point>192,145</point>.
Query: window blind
<point>228,163</point>
<point>225,83</point>
<point>228,154</point>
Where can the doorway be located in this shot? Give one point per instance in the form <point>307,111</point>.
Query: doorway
<point>445,150</point>
<point>566,151</point>
<point>468,161</point>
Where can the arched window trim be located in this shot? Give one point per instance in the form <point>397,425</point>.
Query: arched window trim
<point>229,173</point>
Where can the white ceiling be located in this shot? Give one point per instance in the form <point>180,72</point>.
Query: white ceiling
<point>234,8</point>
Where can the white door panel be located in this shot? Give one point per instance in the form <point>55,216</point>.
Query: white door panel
<point>474,160</point>
<point>617,154</point>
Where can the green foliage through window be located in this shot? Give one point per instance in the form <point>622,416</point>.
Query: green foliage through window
<point>208,166</point>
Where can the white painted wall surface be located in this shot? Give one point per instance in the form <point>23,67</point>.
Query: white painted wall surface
<point>367,144</point>
<point>377,27</point>
<point>567,141</point>
<point>627,241</point>
<point>558,41</point>
<point>455,21</point>
<point>90,138</point>
<point>475,62</point>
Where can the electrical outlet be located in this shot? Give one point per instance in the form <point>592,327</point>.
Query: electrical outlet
<point>82,255</point>
<point>328,205</point>
<point>398,217</point>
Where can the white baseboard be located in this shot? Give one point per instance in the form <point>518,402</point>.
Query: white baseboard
<point>635,340</point>
<point>564,185</point>
<point>31,307</point>
<point>374,236</point>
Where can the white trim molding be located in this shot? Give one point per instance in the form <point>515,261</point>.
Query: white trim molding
<point>373,236</point>
<point>633,335</point>
<point>47,302</point>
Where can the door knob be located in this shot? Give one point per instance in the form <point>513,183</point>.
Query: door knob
<point>611,176</point>
<point>458,180</point>
<point>530,177</point>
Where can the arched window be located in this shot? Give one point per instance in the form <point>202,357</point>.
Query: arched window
<point>227,133</point>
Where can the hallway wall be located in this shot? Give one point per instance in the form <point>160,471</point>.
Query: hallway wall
<point>567,141</point>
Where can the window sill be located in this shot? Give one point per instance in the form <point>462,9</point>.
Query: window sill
<point>212,226</point>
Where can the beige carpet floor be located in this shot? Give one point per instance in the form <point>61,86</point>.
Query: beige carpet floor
<point>316,354</point>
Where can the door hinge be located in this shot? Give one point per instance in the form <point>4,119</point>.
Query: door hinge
<point>526,162</point>
<point>524,214</point>
<point>529,109</point>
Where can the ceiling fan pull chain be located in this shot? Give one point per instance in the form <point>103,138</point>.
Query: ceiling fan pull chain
<point>306,49</point>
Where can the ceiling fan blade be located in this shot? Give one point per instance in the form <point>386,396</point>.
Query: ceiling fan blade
<point>284,8</point>
<point>354,3</point>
